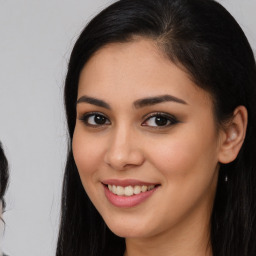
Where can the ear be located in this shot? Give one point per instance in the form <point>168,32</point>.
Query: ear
<point>232,135</point>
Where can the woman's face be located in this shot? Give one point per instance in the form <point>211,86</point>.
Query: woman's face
<point>145,141</point>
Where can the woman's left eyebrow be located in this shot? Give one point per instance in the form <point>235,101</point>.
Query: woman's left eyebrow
<point>156,100</point>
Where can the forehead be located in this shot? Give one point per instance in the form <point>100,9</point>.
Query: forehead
<point>136,69</point>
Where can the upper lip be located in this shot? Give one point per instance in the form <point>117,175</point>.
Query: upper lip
<point>127,182</point>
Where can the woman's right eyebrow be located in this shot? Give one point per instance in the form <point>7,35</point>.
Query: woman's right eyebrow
<point>93,101</point>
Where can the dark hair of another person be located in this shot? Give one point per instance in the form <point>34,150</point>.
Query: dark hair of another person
<point>4,175</point>
<point>204,39</point>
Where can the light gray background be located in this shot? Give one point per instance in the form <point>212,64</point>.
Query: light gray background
<point>36,37</point>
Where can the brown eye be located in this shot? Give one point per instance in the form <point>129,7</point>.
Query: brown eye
<point>95,119</point>
<point>160,120</point>
<point>98,119</point>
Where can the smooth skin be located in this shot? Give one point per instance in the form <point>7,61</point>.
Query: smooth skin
<point>174,143</point>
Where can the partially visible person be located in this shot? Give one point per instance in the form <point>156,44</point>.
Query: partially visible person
<point>4,176</point>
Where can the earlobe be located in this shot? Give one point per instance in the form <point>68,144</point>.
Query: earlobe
<point>233,134</point>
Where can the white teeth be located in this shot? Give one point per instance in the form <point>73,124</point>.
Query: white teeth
<point>120,191</point>
<point>129,190</point>
<point>137,190</point>
<point>144,188</point>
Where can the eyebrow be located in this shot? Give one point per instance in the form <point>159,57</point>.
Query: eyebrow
<point>93,101</point>
<point>156,100</point>
<point>138,103</point>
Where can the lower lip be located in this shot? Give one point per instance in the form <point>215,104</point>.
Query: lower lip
<point>128,201</point>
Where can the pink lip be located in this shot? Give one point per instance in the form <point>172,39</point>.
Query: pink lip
<point>127,201</point>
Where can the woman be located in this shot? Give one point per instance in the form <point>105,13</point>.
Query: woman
<point>160,103</point>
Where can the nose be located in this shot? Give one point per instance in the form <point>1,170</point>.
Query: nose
<point>123,150</point>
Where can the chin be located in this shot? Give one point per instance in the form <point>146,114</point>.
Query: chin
<point>127,229</point>
<point>128,233</point>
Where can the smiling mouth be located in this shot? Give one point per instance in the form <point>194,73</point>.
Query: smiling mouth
<point>129,190</point>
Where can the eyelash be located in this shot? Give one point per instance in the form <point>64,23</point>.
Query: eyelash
<point>169,119</point>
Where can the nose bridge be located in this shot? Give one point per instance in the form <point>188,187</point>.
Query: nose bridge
<point>123,150</point>
<point>121,138</point>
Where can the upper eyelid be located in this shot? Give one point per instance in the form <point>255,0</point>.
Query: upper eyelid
<point>91,113</point>
<point>164,114</point>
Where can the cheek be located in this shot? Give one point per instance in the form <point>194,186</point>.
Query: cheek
<point>189,174</point>
<point>183,156</point>
<point>173,160</point>
<point>87,153</point>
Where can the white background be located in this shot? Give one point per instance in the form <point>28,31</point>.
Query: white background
<point>36,37</point>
